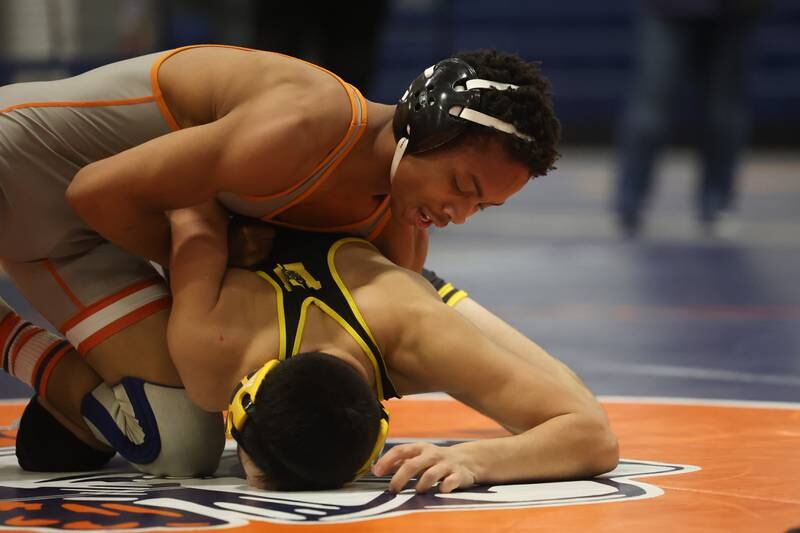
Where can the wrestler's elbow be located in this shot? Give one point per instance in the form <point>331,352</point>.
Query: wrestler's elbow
<point>84,195</point>
<point>202,396</point>
<point>599,448</point>
<point>77,190</point>
<point>195,382</point>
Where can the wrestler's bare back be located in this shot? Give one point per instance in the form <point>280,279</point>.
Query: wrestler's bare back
<point>241,333</point>
<point>201,85</point>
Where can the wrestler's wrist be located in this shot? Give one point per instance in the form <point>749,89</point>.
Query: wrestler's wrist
<point>474,459</point>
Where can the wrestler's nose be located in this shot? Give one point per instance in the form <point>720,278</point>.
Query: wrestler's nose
<point>455,214</point>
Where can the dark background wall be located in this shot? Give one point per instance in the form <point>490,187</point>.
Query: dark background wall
<point>587,50</point>
<point>586,47</point>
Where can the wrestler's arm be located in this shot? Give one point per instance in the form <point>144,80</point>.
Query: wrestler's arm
<point>507,337</point>
<point>503,334</point>
<point>254,149</point>
<point>197,273</point>
<point>560,432</point>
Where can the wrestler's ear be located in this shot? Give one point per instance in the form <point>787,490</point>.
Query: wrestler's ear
<point>254,476</point>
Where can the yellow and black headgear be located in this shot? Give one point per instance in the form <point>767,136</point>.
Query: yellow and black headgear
<point>243,405</point>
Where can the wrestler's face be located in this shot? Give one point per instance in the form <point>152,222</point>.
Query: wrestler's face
<point>451,184</point>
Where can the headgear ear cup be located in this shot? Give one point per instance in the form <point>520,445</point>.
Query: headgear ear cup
<point>438,106</point>
<point>423,114</point>
<point>243,397</point>
<point>380,442</point>
<point>242,404</point>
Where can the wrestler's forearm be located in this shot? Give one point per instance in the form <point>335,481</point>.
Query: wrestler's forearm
<point>120,217</point>
<point>570,446</point>
<point>142,233</point>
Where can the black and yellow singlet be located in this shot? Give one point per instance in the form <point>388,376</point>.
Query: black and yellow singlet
<point>301,269</point>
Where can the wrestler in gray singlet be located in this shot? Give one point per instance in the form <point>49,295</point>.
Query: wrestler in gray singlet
<point>48,131</point>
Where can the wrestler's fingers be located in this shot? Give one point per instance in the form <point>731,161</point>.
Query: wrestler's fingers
<point>432,475</point>
<point>392,459</point>
<point>409,469</point>
<point>450,483</point>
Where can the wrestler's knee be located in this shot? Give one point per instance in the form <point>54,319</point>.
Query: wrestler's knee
<point>155,427</point>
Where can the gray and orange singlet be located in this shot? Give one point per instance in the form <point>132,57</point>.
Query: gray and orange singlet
<point>84,285</point>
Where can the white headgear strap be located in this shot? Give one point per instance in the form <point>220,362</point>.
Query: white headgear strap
<point>467,114</point>
<point>399,151</point>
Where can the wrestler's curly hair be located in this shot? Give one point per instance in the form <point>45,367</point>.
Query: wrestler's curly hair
<point>529,108</point>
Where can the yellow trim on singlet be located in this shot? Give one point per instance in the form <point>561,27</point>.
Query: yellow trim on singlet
<point>346,292</point>
<point>281,317</point>
<point>325,308</point>
<point>444,289</point>
<point>457,297</point>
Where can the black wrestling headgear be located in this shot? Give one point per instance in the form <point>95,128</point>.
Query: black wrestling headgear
<point>439,104</point>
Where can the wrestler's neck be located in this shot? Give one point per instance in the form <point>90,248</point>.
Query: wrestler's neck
<point>357,360</point>
<point>366,168</point>
<point>322,334</point>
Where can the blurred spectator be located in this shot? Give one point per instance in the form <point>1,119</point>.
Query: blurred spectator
<point>707,41</point>
<point>340,37</point>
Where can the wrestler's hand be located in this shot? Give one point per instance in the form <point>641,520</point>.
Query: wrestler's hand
<point>249,241</point>
<point>429,463</point>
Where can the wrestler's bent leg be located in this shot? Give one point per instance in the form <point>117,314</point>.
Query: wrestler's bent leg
<point>113,308</point>
<point>52,435</point>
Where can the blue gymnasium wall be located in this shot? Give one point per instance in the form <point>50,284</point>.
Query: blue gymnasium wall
<point>587,49</point>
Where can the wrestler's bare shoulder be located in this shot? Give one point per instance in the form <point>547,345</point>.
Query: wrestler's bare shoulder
<point>381,289</point>
<point>244,311</point>
<point>206,83</point>
<point>223,344</point>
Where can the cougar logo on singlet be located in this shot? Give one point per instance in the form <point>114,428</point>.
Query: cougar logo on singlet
<point>296,275</point>
<point>123,499</point>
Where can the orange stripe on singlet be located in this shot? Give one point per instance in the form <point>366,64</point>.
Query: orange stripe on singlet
<point>108,300</point>
<point>382,224</point>
<point>158,95</point>
<point>339,157</point>
<point>349,137</point>
<point>121,323</point>
<point>63,284</point>
<point>91,103</point>
<point>343,228</point>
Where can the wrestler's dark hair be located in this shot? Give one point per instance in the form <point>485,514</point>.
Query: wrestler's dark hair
<point>314,425</point>
<point>529,108</point>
